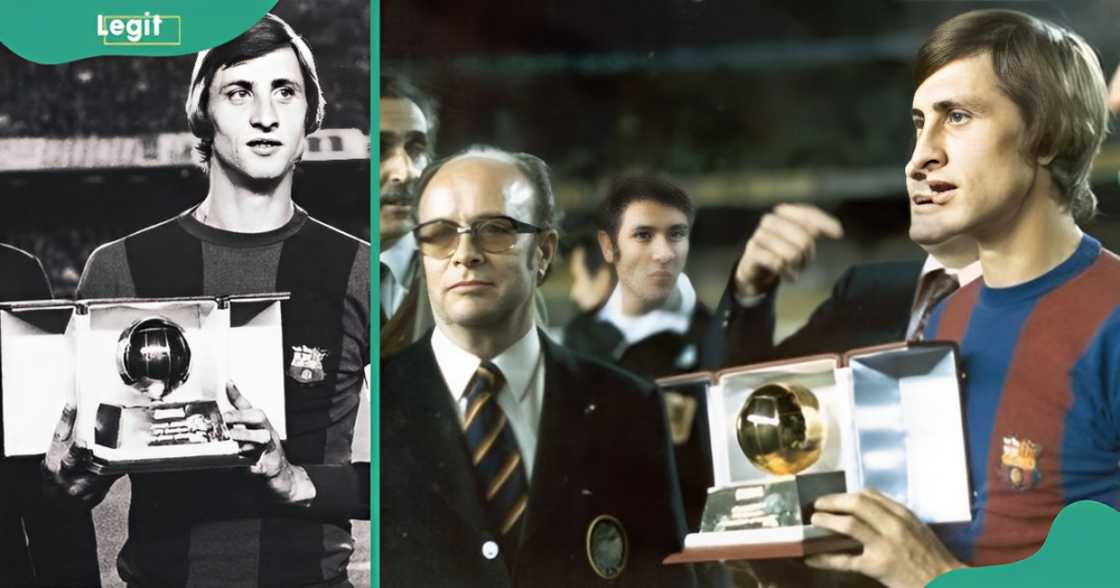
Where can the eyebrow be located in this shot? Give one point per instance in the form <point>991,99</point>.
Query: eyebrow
<point>277,83</point>
<point>406,136</point>
<point>281,82</point>
<point>967,103</point>
<point>653,228</point>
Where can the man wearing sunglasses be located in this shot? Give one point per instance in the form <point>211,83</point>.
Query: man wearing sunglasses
<point>506,458</point>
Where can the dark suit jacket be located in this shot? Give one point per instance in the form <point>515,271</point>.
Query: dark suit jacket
<point>59,549</point>
<point>602,448</point>
<point>870,304</point>
<point>660,355</point>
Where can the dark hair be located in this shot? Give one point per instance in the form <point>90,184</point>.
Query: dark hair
<point>395,86</point>
<point>631,189</point>
<point>269,34</point>
<point>1051,74</point>
<point>532,167</point>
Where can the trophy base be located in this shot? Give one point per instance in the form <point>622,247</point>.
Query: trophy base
<point>699,548</point>
<point>111,467</point>
<point>768,504</point>
<point>161,437</point>
<point>763,520</point>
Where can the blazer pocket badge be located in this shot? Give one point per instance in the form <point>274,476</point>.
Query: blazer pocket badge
<point>607,547</point>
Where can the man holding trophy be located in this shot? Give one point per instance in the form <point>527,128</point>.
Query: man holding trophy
<point>1009,112</point>
<point>285,519</point>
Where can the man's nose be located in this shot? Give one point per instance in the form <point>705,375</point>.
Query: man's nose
<point>264,113</point>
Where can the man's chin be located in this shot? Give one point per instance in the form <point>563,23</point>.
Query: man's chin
<point>929,237</point>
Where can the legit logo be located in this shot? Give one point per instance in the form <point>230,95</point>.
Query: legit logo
<point>146,30</point>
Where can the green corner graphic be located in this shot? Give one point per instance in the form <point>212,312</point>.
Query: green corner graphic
<point>67,30</point>
<point>1077,552</point>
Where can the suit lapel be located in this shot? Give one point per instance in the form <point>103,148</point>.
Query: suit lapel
<point>563,439</point>
<point>433,440</point>
<point>412,319</point>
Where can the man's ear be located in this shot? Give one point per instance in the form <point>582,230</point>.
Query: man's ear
<point>606,246</point>
<point>547,245</point>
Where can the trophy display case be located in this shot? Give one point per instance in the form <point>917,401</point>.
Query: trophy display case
<point>786,433</point>
<point>147,376</point>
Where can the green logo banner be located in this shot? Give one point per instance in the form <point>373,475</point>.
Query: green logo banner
<point>59,31</point>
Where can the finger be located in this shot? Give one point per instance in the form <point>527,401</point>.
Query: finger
<point>253,417</point>
<point>789,254</point>
<point>259,437</point>
<point>64,430</point>
<point>757,256</point>
<point>841,562</point>
<point>235,398</point>
<point>790,245</point>
<point>819,222</point>
<point>889,504</point>
<point>871,512</point>
<point>844,524</point>
<point>840,503</point>
<point>802,235</point>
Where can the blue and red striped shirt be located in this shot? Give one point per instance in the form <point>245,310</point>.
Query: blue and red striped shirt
<point>1041,400</point>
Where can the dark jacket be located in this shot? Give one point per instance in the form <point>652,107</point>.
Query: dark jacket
<point>659,355</point>
<point>602,449</point>
<point>41,544</point>
<point>870,305</point>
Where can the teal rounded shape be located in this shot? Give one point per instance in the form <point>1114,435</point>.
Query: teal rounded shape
<point>59,31</point>
<point>1079,551</point>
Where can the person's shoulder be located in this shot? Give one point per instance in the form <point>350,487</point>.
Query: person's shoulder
<point>12,257</point>
<point>399,364</point>
<point>885,269</point>
<point>328,232</point>
<point>584,320</point>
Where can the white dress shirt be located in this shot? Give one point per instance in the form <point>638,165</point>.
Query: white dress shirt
<point>675,315</point>
<point>965,276</point>
<point>395,286</point>
<point>521,397</point>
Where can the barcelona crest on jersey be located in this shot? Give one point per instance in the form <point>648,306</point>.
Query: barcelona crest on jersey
<point>307,364</point>
<point>1020,463</point>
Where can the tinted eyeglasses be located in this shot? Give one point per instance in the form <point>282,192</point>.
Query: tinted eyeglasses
<point>496,234</point>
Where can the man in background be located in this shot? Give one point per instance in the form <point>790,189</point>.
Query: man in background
<point>408,124</point>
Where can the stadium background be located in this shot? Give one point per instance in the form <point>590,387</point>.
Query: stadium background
<point>746,102</point>
<point>93,150</point>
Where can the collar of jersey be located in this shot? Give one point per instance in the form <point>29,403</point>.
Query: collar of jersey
<point>225,238</point>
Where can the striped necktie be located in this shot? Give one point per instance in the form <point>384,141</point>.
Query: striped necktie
<point>497,461</point>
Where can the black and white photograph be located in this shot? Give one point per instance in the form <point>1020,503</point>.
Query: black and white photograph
<point>238,176</point>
